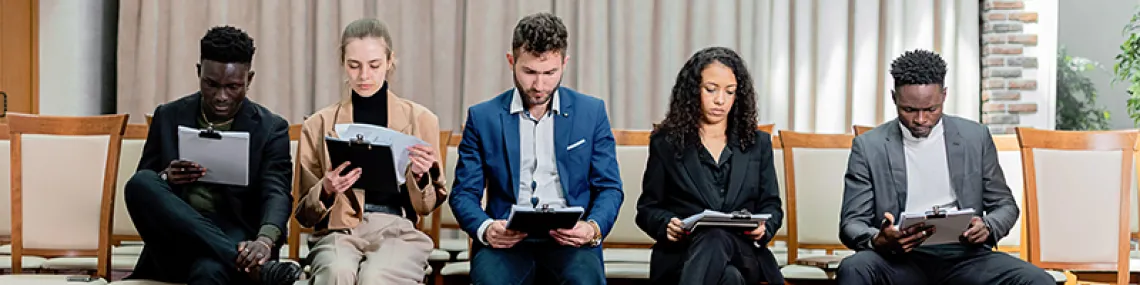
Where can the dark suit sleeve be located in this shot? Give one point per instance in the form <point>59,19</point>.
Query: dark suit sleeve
<point>1001,209</point>
<point>605,176</point>
<point>652,217</point>
<point>467,191</point>
<point>276,178</point>
<point>857,213</point>
<point>152,149</point>
<point>769,201</point>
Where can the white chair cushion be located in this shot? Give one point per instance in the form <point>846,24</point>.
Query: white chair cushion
<point>1058,276</point>
<point>627,255</point>
<point>453,244</point>
<point>46,225</point>
<point>127,250</point>
<point>29,262</point>
<point>129,157</point>
<point>439,255</point>
<point>631,161</point>
<point>819,193</point>
<point>463,255</point>
<point>28,279</point>
<point>142,282</point>
<point>118,262</point>
<point>627,270</point>
<point>456,268</point>
<point>6,249</point>
<point>304,252</point>
<point>801,272</point>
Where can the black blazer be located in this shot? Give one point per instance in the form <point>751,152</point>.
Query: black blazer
<point>268,198</point>
<point>669,190</point>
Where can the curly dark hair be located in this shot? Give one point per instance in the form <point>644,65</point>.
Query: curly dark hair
<point>683,121</point>
<point>540,33</point>
<point>918,67</point>
<point>227,44</point>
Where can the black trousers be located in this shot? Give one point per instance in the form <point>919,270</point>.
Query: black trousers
<point>717,256</point>
<point>181,245</point>
<point>978,266</point>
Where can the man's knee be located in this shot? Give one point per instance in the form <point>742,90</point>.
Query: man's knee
<point>501,266</point>
<point>732,276</point>
<point>209,271</point>
<point>336,272</point>
<point>583,266</point>
<point>1033,275</point>
<point>140,186</point>
<point>860,263</point>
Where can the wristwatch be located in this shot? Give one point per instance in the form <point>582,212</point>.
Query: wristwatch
<point>597,240</point>
<point>162,175</point>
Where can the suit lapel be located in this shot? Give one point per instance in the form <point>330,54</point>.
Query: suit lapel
<point>955,157</point>
<point>189,115</point>
<point>563,126</point>
<point>689,165</point>
<point>896,163</point>
<point>510,123</point>
<point>740,166</point>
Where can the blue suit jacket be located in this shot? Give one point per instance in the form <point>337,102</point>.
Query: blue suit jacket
<point>489,157</point>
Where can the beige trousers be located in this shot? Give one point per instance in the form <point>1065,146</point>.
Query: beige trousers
<point>383,249</point>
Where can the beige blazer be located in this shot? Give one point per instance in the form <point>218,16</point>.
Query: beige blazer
<point>346,211</point>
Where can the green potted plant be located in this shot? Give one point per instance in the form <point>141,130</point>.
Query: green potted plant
<point>1127,67</point>
<point>1076,95</point>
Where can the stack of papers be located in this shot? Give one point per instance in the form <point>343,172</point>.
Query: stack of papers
<point>710,218</point>
<point>377,135</point>
<point>948,225</point>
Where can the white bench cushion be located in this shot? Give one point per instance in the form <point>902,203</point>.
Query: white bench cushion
<point>627,270</point>
<point>619,255</point>
<point>23,279</point>
<point>29,262</point>
<point>118,262</point>
<point>800,272</point>
<point>456,268</point>
<point>439,255</point>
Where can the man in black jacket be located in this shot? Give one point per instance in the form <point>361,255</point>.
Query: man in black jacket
<point>203,233</point>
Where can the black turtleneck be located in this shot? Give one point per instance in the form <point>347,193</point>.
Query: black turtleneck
<point>371,110</point>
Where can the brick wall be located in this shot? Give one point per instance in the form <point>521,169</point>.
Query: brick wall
<point>1008,91</point>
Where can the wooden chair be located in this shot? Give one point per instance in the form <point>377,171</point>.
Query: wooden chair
<point>58,217</point>
<point>626,250</point>
<point>5,191</point>
<point>1009,157</point>
<point>860,129</point>
<point>1077,198</point>
<point>445,219</point>
<point>824,156</point>
<point>296,248</point>
<point>778,245</point>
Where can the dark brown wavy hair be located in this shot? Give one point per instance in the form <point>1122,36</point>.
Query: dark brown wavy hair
<point>683,121</point>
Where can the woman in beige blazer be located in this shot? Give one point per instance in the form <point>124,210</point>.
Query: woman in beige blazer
<point>368,236</point>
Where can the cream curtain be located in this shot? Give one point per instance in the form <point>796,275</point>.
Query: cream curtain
<point>819,65</point>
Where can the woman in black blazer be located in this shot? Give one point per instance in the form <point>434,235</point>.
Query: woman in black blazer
<point>707,154</point>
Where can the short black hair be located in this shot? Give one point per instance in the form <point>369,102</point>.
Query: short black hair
<point>919,67</point>
<point>227,44</point>
<point>540,33</point>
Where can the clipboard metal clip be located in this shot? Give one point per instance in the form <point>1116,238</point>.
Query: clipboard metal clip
<point>741,215</point>
<point>360,140</point>
<point>939,211</point>
<point>209,133</point>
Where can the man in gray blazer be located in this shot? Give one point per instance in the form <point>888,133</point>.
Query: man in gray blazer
<point>917,162</point>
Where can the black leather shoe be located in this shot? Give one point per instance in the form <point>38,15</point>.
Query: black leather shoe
<point>279,273</point>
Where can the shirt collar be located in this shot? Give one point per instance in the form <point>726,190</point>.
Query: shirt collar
<point>934,132</point>
<point>517,104</point>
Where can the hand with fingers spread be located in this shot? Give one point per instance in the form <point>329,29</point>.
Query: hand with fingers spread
<point>893,240</point>
<point>978,232</point>
<point>253,253</point>
<point>335,183</point>
<point>183,171</point>
<point>422,158</point>
<point>498,236</point>
<point>674,231</point>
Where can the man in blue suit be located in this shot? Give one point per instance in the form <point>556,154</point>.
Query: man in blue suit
<point>537,144</point>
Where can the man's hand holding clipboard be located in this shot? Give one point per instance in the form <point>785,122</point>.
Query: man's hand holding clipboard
<point>894,240</point>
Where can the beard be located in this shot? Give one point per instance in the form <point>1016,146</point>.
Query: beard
<point>525,92</point>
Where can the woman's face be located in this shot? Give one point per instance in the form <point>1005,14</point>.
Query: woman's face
<point>718,92</point>
<point>367,63</point>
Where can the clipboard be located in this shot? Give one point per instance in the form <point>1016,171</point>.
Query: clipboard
<point>949,223</point>
<point>224,154</point>
<point>738,219</point>
<point>375,160</point>
<point>534,220</point>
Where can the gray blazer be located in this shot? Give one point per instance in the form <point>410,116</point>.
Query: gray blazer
<point>876,180</point>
